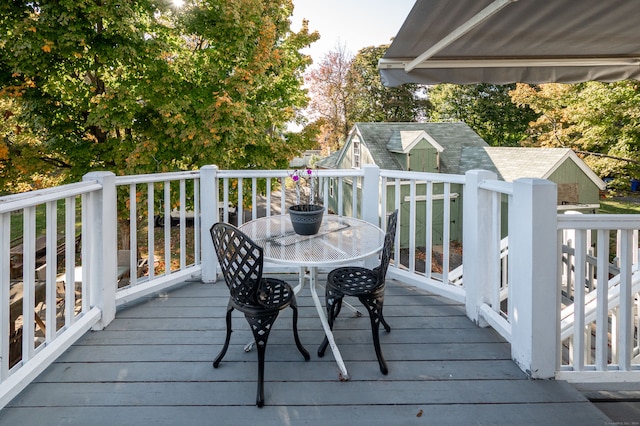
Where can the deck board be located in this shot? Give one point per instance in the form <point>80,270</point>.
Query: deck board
<point>152,365</point>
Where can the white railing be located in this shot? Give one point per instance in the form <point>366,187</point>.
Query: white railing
<point>58,314</point>
<point>430,257</point>
<point>512,287</point>
<point>600,284</point>
<point>34,278</point>
<point>153,253</point>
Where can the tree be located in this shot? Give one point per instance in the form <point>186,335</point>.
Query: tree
<point>486,108</point>
<point>331,97</point>
<point>597,120</point>
<point>136,86</point>
<point>346,89</point>
<point>376,103</point>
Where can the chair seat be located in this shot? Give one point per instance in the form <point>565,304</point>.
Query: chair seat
<point>353,280</point>
<point>274,294</point>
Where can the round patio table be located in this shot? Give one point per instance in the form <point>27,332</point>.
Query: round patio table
<point>340,240</point>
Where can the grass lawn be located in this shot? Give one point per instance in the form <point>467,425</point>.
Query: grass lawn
<point>627,204</point>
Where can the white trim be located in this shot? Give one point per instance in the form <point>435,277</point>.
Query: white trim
<point>386,64</point>
<point>581,164</point>
<point>23,376</point>
<point>420,135</point>
<point>452,196</point>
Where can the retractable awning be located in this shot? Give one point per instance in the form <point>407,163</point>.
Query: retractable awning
<point>507,41</point>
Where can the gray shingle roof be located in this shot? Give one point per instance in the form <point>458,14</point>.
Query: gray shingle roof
<point>381,138</point>
<point>329,162</point>
<point>511,163</point>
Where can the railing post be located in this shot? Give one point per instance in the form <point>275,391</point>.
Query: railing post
<point>477,243</point>
<point>371,195</point>
<point>210,214</point>
<point>533,276</point>
<point>101,232</point>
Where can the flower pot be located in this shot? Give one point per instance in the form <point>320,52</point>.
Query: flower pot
<point>306,218</point>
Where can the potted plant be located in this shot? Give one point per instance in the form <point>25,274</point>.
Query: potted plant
<point>306,215</point>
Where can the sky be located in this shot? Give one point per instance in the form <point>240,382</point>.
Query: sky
<point>352,23</point>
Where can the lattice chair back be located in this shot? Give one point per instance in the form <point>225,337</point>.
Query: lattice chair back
<point>387,248</point>
<point>241,262</point>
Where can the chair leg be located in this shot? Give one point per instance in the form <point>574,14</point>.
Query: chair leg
<point>301,348</point>
<point>386,326</point>
<point>261,326</point>
<point>216,363</point>
<point>334,303</point>
<point>374,306</point>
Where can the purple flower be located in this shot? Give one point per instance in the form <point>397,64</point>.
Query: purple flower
<point>305,185</point>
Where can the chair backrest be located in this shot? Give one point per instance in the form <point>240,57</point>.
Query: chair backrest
<point>387,248</point>
<point>241,262</point>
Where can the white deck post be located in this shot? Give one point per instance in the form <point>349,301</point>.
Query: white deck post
<point>477,243</point>
<point>210,215</point>
<point>533,277</point>
<point>371,195</point>
<point>102,231</point>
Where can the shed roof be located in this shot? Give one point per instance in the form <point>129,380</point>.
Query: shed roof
<point>511,163</point>
<point>383,138</point>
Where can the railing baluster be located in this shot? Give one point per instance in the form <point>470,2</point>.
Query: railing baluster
<point>183,224</point>
<point>428,237</point>
<point>240,208</point>
<point>28,282</point>
<point>133,235</point>
<point>446,231</point>
<point>5,286</point>
<point>167,227</point>
<point>196,220</point>
<point>151,235</point>
<point>51,270</point>
<point>495,249</point>
<point>578,302</point>
<point>254,198</point>
<point>602,315</point>
<point>412,226</point>
<point>626,304</point>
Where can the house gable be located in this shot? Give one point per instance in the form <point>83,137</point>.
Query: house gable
<point>404,141</point>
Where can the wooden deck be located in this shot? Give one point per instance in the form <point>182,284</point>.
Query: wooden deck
<point>152,365</point>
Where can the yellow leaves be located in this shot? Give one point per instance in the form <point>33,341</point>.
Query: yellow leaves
<point>224,99</point>
<point>32,29</point>
<point>77,55</point>
<point>48,44</point>
<point>4,152</point>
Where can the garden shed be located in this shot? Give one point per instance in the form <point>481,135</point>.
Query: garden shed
<point>454,148</point>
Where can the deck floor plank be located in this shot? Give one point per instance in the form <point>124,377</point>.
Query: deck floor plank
<point>152,365</point>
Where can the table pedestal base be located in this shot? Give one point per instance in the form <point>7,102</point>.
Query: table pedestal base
<point>312,276</point>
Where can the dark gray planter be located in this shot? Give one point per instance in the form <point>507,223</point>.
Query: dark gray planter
<point>306,218</point>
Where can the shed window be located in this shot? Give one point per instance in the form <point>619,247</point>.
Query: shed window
<point>356,153</point>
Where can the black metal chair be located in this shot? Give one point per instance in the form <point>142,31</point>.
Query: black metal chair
<point>259,298</point>
<point>367,285</point>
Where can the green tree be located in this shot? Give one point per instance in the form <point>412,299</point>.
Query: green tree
<point>600,121</point>
<point>486,108</point>
<point>375,102</point>
<point>138,86</point>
